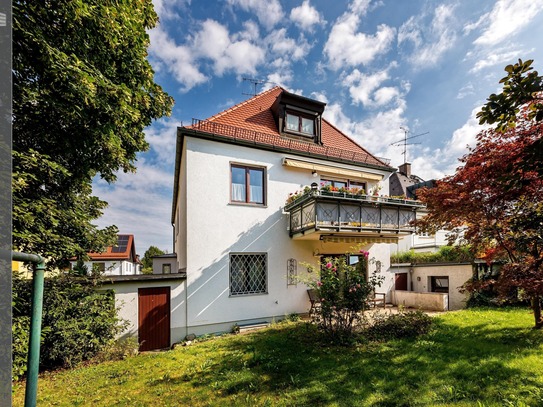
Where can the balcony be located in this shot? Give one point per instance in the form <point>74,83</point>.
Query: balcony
<point>317,214</point>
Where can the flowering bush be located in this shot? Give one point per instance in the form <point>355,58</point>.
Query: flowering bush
<point>344,291</point>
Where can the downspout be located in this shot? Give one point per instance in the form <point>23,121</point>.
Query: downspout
<point>186,306</point>
<point>33,363</point>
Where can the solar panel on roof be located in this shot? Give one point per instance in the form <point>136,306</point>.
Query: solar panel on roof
<point>122,243</point>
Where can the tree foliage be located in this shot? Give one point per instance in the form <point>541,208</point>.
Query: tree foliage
<point>83,91</point>
<point>522,86</point>
<point>78,321</point>
<point>147,260</point>
<point>494,200</point>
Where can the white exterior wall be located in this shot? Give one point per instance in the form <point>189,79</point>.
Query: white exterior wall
<point>126,300</point>
<point>214,228</point>
<point>458,274</point>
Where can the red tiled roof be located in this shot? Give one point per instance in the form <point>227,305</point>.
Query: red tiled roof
<point>120,251</point>
<point>252,120</point>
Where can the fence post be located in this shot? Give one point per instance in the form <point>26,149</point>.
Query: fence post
<point>35,327</point>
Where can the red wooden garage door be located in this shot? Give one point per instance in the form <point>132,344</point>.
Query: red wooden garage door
<point>154,318</point>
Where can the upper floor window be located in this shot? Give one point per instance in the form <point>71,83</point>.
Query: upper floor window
<point>298,117</point>
<point>166,268</point>
<point>300,124</point>
<point>344,184</point>
<point>334,183</point>
<point>247,184</point>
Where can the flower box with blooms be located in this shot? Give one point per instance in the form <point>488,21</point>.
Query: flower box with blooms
<point>298,194</point>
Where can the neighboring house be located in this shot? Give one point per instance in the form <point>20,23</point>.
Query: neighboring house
<point>244,249</point>
<point>165,264</point>
<point>431,286</point>
<point>426,286</point>
<point>119,259</point>
<point>404,183</point>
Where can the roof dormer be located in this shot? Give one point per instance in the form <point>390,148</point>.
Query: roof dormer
<point>298,117</point>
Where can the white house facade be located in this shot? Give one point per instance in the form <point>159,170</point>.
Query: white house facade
<point>243,248</point>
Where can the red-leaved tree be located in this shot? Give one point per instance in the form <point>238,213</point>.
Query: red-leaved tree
<point>495,200</point>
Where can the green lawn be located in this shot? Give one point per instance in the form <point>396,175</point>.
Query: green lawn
<point>471,358</point>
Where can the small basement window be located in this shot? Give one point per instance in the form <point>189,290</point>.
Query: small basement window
<point>439,284</point>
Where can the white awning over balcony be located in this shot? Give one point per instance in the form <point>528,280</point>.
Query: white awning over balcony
<point>330,169</point>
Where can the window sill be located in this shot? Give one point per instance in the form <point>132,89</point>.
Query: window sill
<point>305,136</point>
<point>246,295</point>
<point>252,205</point>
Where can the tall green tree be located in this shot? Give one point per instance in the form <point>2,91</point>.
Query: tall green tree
<point>521,97</point>
<point>521,87</point>
<point>83,91</point>
<point>148,257</point>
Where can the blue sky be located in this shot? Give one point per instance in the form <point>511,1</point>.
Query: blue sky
<point>426,66</point>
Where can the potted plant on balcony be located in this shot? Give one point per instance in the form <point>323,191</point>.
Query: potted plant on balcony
<point>375,192</point>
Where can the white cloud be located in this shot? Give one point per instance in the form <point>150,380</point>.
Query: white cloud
<point>496,56</point>
<point>376,132</point>
<point>466,90</point>
<point>140,204</point>
<point>362,87</point>
<point>268,12</point>
<point>169,9</point>
<point>251,32</point>
<point>347,47</point>
<point>178,60</point>
<point>465,135</point>
<point>436,163</point>
<point>368,90</point>
<point>281,78</point>
<point>306,16</point>
<point>213,42</point>
<point>161,136</point>
<point>320,96</point>
<point>280,44</point>
<point>334,114</point>
<point>428,162</point>
<point>506,19</point>
<point>430,41</point>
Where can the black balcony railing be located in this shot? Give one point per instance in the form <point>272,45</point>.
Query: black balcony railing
<point>343,212</point>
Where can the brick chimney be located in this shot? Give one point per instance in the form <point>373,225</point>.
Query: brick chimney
<point>405,169</point>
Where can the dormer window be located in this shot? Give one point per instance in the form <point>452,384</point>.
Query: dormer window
<point>298,117</point>
<point>300,124</point>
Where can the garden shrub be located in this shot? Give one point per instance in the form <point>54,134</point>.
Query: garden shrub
<point>445,254</point>
<point>344,291</point>
<point>405,324</point>
<point>78,321</point>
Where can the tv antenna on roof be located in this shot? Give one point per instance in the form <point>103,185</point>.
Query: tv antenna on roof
<point>255,83</point>
<point>403,142</point>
